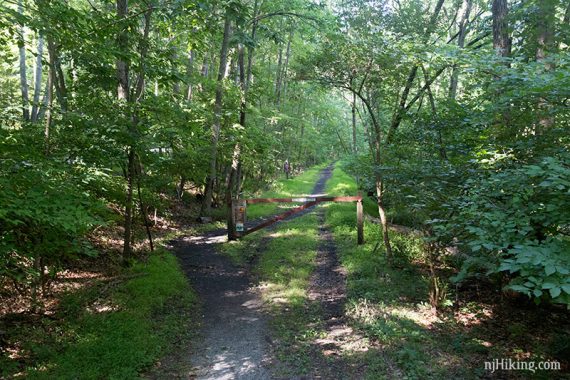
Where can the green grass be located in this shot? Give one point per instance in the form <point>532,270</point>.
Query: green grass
<point>112,330</point>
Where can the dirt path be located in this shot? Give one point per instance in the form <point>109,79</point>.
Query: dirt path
<point>234,340</point>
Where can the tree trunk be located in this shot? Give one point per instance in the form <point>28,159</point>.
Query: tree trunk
<point>281,93</point>
<point>467,4</point>
<point>401,109</point>
<point>249,75</point>
<point>38,78</point>
<point>189,70</point>
<point>278,78</point>
<point>206,209</point>
<point>354,147</point>
<point>376,137</point>
<point>545,44</point>
<point>23,69</point>
<point>49,96</point>
<point>501,39</point>
<point>383,219</point>
<point>123,96</point>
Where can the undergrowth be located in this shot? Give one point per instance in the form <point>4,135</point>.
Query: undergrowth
<point>114,329</point>
<point>390,304</point>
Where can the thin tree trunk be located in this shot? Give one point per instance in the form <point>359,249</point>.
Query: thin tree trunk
<point>49,94</point>
<point>401,110</point>
<point>189,70</point>
<point>375,146</point>
<point>250,50</point>
<point>143,211</point>
<point>38,78</point>
<point>23,69</point>
<point>206,209</point>
<point>124,96</point>
<point>283,88</point>
<point>44,104</point>
<point>354,147</point>
<point>467,4</point>
<point>58,78</point>
<point>545,45</point>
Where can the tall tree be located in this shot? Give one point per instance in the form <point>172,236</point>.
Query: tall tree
<point>206,209</point>
<point>463,24</point>
<point>23,67</point>
<point>38,78</point>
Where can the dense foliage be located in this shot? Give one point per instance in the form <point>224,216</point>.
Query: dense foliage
<point>454,114</point>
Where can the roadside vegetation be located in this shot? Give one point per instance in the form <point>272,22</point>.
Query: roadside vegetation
<point>114,328</point>
<point>422,337</point>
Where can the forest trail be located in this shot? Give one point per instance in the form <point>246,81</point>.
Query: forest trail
<point>234,339</point>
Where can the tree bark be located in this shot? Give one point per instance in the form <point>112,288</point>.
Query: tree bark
<point>124,96</point>
<point>206,209</point>
<point>545,44</point>
<point>38,78</point>
<point>189,70</point>
<point>454,81</point>
<point>501,39</point>
<point>278,78</point>
<point>401,109</point>
<point>49,96</point>
<point>23,68</point>
<point>376,137</point>
<point>354,147</point>
<point>283,89</point>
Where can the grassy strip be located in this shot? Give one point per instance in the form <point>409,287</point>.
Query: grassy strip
<point>111,330</point>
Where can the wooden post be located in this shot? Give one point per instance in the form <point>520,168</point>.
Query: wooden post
<point>232,235</point>
<point>360,221</point>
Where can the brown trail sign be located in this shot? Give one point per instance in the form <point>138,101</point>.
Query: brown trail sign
<point>239,208</point>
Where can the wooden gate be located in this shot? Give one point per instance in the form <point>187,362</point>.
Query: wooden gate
<point>239,211</point>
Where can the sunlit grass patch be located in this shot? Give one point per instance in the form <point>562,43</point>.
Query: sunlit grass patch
<point>115,329</point>
<point>284,188</point>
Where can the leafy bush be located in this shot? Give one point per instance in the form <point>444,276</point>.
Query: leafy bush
<point>516,221</point>
<point>43,219</point>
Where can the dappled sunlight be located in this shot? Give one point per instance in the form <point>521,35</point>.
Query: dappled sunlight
<point>276,293</point>
<point>205,239</point>
<point>341,188</point>
<point>100,306</point>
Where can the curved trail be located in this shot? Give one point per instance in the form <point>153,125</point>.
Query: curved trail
<point>235,339</point>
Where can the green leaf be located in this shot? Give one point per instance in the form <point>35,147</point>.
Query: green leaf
<point>555,292</point>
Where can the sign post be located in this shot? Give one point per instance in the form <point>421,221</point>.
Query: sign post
<point>240,216</point>
<point>360,221</point>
